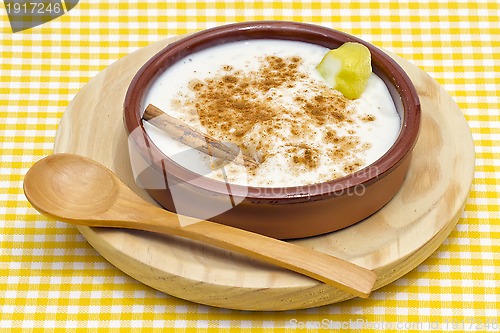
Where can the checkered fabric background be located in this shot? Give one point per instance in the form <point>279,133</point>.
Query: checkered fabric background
<point>52,279</point>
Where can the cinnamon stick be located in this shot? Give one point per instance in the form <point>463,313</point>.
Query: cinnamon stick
<point>192,137</point>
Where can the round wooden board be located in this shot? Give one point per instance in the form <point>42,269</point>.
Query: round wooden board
<point>391,242</point>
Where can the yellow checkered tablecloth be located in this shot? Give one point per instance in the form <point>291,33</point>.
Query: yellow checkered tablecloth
<point>52,279</point>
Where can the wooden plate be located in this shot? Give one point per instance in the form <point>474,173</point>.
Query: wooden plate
<point>391,242</point>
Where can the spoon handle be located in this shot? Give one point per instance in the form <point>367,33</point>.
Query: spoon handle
<point>331,270</point>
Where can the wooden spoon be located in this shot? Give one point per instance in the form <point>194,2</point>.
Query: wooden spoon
<point>80,191</point>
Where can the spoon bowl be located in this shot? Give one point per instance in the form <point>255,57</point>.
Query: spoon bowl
<point>88,190</point>
<point>80,191</point>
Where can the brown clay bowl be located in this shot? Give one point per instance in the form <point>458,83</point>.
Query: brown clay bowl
<point>288,212</point>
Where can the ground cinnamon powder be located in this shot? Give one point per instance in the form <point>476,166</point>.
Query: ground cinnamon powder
<point>246,107</point>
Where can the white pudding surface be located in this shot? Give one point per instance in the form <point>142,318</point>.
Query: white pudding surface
<point>266,97</point>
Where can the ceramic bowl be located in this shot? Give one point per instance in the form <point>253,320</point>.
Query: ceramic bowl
<point>286,212</point>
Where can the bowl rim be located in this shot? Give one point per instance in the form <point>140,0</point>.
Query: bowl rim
<point>393,75</point>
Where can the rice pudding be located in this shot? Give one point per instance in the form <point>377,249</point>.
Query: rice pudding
<point>267,97</point>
